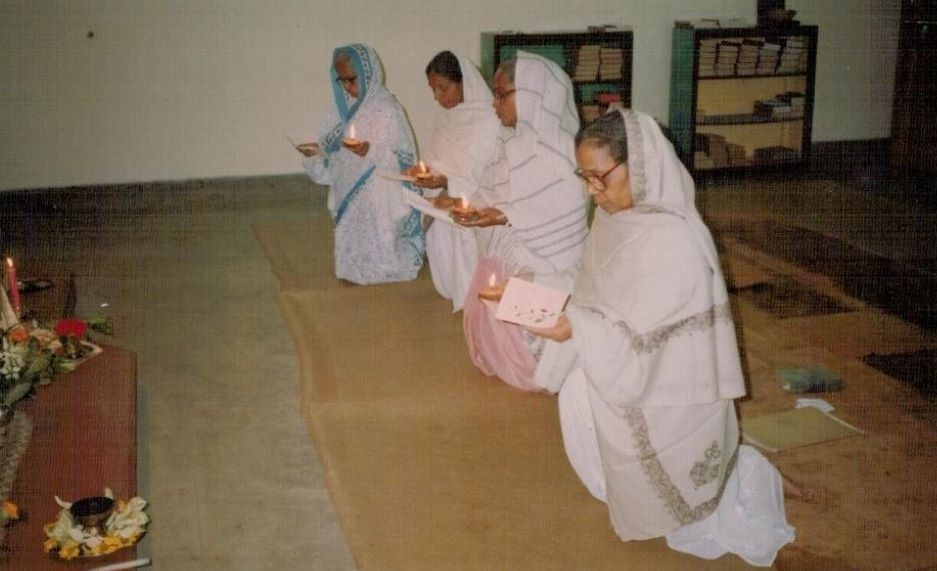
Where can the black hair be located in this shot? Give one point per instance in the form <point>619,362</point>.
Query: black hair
<point>445,64</point>
<point>607,131</point>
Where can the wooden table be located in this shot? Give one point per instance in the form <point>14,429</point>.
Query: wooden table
<point>84,439</point>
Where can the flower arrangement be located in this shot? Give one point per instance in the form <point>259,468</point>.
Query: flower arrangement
<point>27,356</point>
<point>68,539</point>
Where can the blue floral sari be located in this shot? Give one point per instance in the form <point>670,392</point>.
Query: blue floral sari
<point>378,237</point>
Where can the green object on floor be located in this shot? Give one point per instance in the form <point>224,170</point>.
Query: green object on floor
<point>809,380</point>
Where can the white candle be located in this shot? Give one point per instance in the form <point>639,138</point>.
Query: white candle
<point>492,280</point>
<point>463,202</point>
<point>351,131</point>
<point>422,167</point>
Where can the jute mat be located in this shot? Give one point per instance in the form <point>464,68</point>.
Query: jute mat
<point>431,465</point>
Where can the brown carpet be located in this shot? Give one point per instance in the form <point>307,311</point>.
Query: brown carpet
<point>431,465</point>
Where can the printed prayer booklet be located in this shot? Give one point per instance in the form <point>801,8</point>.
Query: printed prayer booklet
<point>530,304</point>
<point>418,202</point>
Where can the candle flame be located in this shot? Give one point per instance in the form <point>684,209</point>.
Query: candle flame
<point>492,280</point>
<point>351,131</point>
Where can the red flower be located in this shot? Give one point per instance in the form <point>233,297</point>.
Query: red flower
<point>71,328</point>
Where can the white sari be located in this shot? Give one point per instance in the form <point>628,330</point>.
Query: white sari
<point>648,420</point>
<point>378,237</point>
<point>464,139</point>
<point>532,180</point>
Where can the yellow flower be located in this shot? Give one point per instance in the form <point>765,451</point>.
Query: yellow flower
<point>10,511</point>
<point>69,550</point>
<point>111,544</point>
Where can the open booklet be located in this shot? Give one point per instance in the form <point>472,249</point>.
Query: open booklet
<point>530,304</point>
<point>426,207</point>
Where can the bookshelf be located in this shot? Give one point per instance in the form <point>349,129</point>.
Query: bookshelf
<point>742,97</point>
<point>597,61</point>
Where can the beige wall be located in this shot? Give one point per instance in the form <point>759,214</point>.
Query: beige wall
<point>209,88</point>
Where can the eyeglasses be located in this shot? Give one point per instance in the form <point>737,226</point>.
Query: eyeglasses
<point>597,181</point>
<point>502,95</point>
<point>347,80</point>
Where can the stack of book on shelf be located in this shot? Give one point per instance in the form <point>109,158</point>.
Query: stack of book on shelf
<point>727,57</point>
<point>785,105</point>
<point>587,63</point>
<point>776,154</point>
<point>713,23</point>
<point>768,58</point>
<point>708,49</point>
<point>748,56</point>
<point>611,60</point>
<point>793,57</point>
<point>714,151</point>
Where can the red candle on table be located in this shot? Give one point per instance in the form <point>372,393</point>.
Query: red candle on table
<point>14,287</point>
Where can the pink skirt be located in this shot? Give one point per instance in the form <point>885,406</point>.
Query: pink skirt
<point>495,347</point>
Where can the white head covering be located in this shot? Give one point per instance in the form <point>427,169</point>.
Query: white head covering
<point>464,137</point>
<point>532,176</point>
<point>660,182</point>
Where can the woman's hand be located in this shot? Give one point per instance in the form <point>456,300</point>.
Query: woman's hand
<point>359,148</point>
<point>562,331</point>
<point>308,149</point>
<point>442,201</point>
<point>435,180</point>
<point>485,217</point>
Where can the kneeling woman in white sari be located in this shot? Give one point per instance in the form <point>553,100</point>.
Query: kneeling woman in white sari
<point>648,417</point>
<point>464,139</point>
<point>378,237</point>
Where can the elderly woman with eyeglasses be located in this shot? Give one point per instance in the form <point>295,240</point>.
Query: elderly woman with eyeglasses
<point>647,412</point>
<point>378,237</point>
<point>532,214</point>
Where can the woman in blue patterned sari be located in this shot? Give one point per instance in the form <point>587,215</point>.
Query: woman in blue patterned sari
<point>378,237</point>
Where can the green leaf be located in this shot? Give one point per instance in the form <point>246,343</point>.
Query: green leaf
<point>100,323</point>
<point>18,391</point>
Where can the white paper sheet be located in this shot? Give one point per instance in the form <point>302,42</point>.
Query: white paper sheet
<point>530,304</point>
<point>424,206</point>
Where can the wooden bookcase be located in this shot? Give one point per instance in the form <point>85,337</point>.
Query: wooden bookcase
<point>742,98</point>
<point>598,62</point>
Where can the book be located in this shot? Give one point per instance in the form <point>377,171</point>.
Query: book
<point>531,305</point>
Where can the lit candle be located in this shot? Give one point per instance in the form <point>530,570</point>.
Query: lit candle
<point>351,140</point>
<point>14,286</point>
<point>492,292</point>
<point>423,172</point>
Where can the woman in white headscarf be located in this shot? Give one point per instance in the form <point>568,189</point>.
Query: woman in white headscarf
<point>648,417</point>
<point>378,237</point>
<point>464,138</point>
<point>532,218</point>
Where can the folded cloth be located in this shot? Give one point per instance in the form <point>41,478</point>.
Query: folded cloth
<point>809,380</point>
